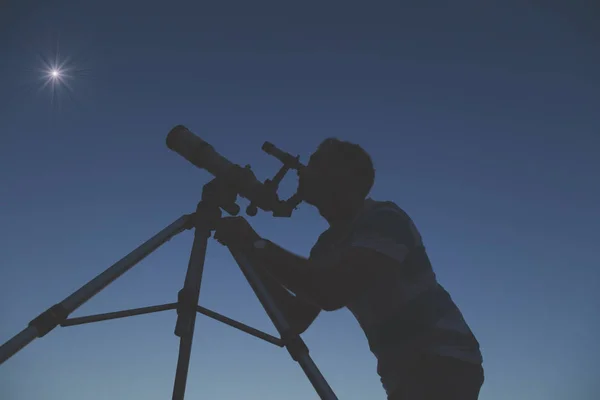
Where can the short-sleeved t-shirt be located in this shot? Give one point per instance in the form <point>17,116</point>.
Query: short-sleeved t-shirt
<point>406,311</point>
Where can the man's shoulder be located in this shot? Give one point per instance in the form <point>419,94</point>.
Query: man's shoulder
<point>384,217</point>
<point>383,207</point>
<point>382,213</point>
<point>388,219</point>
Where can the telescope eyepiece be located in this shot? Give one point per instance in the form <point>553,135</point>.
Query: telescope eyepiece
<point>287,159</point>
<point>268,147</point>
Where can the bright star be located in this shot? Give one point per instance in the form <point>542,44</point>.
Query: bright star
<point>58,75</point>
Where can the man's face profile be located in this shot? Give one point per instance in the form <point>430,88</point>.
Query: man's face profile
<point>312,178</point>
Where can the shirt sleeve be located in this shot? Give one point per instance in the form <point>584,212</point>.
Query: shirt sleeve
<point>388,231</point>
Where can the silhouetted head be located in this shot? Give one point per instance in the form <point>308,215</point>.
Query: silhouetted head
<point>337,179</point>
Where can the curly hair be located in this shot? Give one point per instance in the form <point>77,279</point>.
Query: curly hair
<point>353,160</point>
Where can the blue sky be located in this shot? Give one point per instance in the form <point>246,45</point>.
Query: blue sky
<point>482,122</point>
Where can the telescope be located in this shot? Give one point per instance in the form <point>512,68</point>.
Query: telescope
<point>240,180</point>
<point>219,194</point>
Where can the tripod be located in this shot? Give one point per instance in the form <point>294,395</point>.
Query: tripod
<point>216,195</point>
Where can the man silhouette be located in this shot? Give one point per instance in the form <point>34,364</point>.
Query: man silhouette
<point>372,261</point>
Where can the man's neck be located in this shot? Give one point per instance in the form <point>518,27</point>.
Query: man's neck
<point>341,214</point>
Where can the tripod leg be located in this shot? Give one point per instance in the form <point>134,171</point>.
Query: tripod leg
<point>58,313</point>
<point>188,297</point>
<point>293,342</point>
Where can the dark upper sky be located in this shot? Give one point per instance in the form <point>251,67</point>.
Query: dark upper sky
<point>482,121</point>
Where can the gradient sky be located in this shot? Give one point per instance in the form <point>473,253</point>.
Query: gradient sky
<point>482,122</point>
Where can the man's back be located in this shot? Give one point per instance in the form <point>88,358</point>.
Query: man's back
<point>405,314</point>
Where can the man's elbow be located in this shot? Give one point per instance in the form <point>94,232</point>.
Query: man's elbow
<point>331,307</point>
<point>329,298</point>
<point>302,316</point>
<point>331,304</point>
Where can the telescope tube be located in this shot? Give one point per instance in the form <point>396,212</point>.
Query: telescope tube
<point>203,155</point>
<point>197,151</point>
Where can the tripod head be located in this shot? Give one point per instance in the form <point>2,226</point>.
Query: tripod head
<point>239,180</point>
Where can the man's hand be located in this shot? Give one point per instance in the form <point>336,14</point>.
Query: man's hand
<point>235,232</point>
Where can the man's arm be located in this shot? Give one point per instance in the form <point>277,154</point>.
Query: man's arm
<point>379,245</point>
<point>237,234</point>
<point>331,283</point>
<point>299,313</point>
